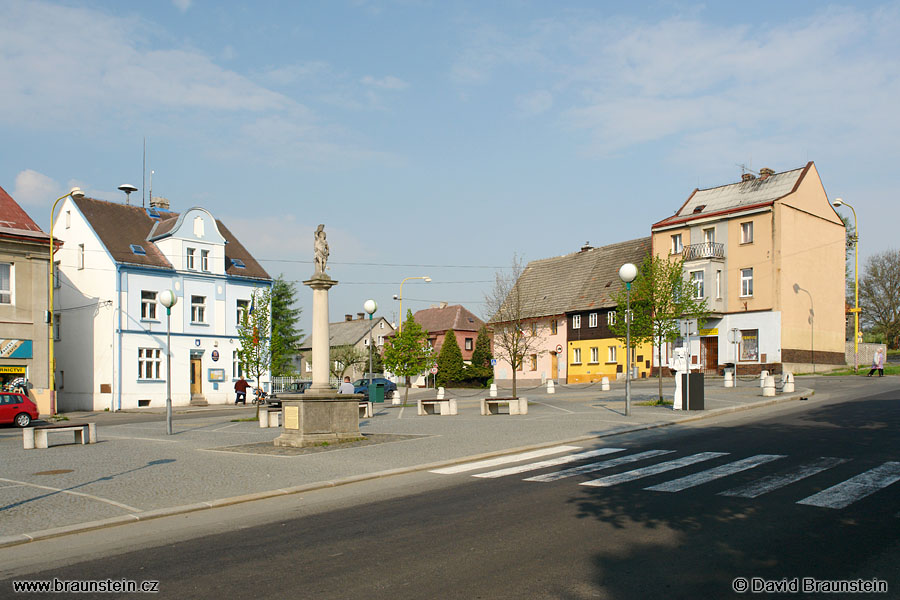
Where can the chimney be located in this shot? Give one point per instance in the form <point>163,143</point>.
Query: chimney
<point>361,315</point>
<point>442,305</point>
<point>159,202</point>
<point>348,317</point>
<point>748,177</point>
<point>764,173</point>
<point>587,246</point>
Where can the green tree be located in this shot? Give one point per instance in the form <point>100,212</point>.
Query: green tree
<point>480,371</point>
<point>660,296</point>
<point>346,357</point>
<point>285,333</point>
<point>255,350</point>
<point>450,361</point>
<point>408,354</point>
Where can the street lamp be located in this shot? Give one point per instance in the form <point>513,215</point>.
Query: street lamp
<point>627,273</point>
<point>370,306</point>
<point>400,298</point>
<point>168,299</point>
<point>76,193</point>
<point>855,309</point>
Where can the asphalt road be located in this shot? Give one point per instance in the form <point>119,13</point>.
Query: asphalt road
<point>456,535</point>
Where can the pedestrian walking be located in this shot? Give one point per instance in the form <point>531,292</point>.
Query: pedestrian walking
<point>346,387</point>
<point>240,391</point>
<point>877,363</point>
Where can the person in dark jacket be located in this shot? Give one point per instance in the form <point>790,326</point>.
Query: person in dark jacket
<point>240,391</point>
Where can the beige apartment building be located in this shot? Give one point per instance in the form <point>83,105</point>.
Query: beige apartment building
<point>767,253</point>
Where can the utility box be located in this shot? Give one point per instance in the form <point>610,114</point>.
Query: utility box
<point>378,395</point>
<point>692,391</point>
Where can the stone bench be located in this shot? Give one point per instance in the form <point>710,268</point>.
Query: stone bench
<point>491,406</point>
<point>437,407</point>
<point>269,417</point>
<point>36,437</point>
<point>366,410</point>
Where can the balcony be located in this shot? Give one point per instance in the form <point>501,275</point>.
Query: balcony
<point>704,250</point>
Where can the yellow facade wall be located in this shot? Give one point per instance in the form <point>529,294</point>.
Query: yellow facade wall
<point>588,372</point>
<point>756,255</point>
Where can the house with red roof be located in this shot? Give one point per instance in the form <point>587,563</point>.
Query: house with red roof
<point>440,319</point>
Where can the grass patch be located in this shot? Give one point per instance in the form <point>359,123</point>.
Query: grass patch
<point>244,420</point>
<point>864,370</point>
<point>656,403</point>
<point>60,418</point>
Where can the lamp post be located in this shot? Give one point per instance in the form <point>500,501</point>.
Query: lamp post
<point>168,299</point>
<point>628,273</point>
<point>77,194</point>
<point>400,298</point>
<point>855,309</point>
<point>370,307</point>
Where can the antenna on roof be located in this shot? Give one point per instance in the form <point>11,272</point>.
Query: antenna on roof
<point>746,169</point>
<point>127,188</point>
<point>144,176</point>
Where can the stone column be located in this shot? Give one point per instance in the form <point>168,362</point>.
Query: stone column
<point>320,285</point>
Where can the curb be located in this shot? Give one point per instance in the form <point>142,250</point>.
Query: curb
<point>24,538</point>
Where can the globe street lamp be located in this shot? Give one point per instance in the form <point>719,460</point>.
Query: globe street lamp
<point>627,273</point>
<point>168,299</point>
<point>855,309</point>
<point>77,194</point>
<point>400,298</point>
<point>370,306</point>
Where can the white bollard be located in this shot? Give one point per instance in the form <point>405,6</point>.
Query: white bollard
<point>788,383</point>
<point>769,387</point>
<point>762,378</point>
<point>440,395</point>
<point>493,392</point>
<point>550,388</point>
<point>729,379</point>
<point>395,398</point>
<point>604,384</point>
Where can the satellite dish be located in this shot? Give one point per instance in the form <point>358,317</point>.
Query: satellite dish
<point>127,188</point>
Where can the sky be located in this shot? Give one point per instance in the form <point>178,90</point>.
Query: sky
<point>440,138</point>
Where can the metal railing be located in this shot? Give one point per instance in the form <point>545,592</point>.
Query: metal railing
<point>704,250</point>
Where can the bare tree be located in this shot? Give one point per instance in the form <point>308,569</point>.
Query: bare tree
<point>879,296</point>
<point>512,309</point>
<point>346,357</point>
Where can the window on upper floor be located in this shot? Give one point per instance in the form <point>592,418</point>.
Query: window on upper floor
<point>697,284</point>
<point>68,219</point>
<point>747,232</point>
<point>611,318</point>
<point>719,284</point>
<point>189,259</point>
<point>204,260</point>
<point>533,329</point>
<point>677,246</point>
<point>6,281</point>
<point>148,305</point>
<point>57,326</point>
<point>381,325</point>
<point>576,321</point>
<point>380,340</point>
<point>554,327</point>
<point>533,362</point>
<point>56,275</point>
<point>468,343</point>
<point>746,282</point>
<point>709,235</point>
<point>243,308</point>
<point>80,257</point>
<point>592,320</point>
<point>198,309</point>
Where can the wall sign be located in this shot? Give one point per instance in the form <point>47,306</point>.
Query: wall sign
<point>216,374</point>
<point>215,355</point>
<point>15,349</point>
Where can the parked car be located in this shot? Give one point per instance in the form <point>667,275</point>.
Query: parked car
<point>361,386</point>
<point>17,408</point>
<point>297,387</point>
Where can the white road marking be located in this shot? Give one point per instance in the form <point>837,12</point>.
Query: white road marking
<point>653,469</point>
<point>552,462</point>
<point>855,488</point>
<point>551,406</point>
<point>226,427</point>
<point>503,460</point>
<point>598,466</point>
<point>777,481</point>
<point>689,481</point>
<point>83,495</point>
<point>126,437</point>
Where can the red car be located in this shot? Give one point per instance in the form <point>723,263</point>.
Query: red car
<point>17,408</point>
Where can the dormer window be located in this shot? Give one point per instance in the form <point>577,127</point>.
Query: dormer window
<point>238,263</point>
<point>138,249</point>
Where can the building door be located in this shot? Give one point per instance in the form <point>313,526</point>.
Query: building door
<point>554,365</point>
<point>196,379</point>
<point>709,354</point>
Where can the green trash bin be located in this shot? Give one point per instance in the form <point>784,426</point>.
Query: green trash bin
<point>379,393</point>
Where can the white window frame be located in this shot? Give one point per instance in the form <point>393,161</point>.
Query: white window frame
<point>747,283</point>
<point>612,354</point>
<point>576,321</point>
<point>68,219</point>
<point>747,232</point>
<point>148,305</point>
<point>189,259</point>
<point>533,361</point>
<point>576,356</point>
<point>718,284</point>
<point>709,235</point>
<point>611,317</point>
<point>677,244</point>
<point>57,330</point>
<point>198,309</point>
<point>56,282</point>
<point>236,371</point>
<point>80,257</point>
<point>595,355</point>
<point>149,364</point>
<point>204,260</point>
<point>379,340</point>
<point>469,343</point>
<point>8,296</point>
<point>697,284</point>
<point>241,306</point>
<point>592,320</point>
<point>749,352</point>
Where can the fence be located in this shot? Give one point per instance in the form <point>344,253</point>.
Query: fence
<point>866,353</point>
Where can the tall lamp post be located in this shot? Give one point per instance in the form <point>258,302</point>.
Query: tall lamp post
<point>400,298</point>
<point>370,307</point>
<point>77,194</point>
<point>168,299</point>
<point>855,309</point>
<point>628,273</point>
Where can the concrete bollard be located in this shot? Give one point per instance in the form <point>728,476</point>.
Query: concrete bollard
<point>729,379</point>
<point>395,398</point>
<point>550,388</point>
<point>788,383</point>
<point>493,393</point>
<point>604,384</point>
<point>762,378</point>
<point>440,394</point>
<point>769,387</point>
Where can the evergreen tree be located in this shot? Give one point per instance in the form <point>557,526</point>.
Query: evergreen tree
<point>285,334</point>
<point>407,354</point>
<point>450,361</point>
<point>481,370</point>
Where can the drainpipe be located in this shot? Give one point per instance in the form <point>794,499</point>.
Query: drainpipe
<point>117,365</point>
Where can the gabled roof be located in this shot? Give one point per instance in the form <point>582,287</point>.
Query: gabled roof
<point>15,222</point>
<point>441,319</point>
<point>577,281</point>
<point>748,194</point>
<point>119,226</point>
<point>345,333</point>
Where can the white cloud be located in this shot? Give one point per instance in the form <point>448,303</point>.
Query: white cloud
<point>534,103</point>
<point>182,5</point>
<point>385,83</point>
<point>35,189</point>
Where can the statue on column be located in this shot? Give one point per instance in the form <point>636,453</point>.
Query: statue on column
<point>321,252</point>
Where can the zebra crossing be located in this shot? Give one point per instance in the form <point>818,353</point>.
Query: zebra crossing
<point>838,496</point>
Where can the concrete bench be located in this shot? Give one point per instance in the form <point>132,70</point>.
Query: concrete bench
<point>366,410</point>
<point>437,407</point>
<point>491,406</point>
<point>269,417</point>
<point>36,437</point>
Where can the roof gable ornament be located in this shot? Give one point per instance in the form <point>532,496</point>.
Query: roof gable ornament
<point>198,226</point>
